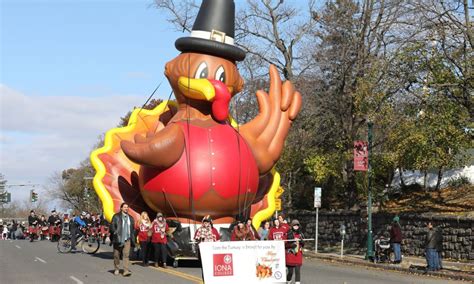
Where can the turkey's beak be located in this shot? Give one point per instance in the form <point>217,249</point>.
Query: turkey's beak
<point>208,90</point>
<point>198,89</point>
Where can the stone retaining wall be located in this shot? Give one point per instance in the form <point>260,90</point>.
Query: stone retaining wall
<point>458,233</point>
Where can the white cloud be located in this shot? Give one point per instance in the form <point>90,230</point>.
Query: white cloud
<point>40,135</point>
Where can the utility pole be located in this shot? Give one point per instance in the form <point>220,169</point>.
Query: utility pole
<point>370,249</point>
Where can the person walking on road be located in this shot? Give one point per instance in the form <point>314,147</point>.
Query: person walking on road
<point>123,238</point>
<point>430,249</point>
<point>396,239</point>
<point>144,236</point>
<point>294,251</point>
<point>439,246</point>
<point>159,239</point>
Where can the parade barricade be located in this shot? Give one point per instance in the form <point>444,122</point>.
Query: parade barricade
<point>243,262</point>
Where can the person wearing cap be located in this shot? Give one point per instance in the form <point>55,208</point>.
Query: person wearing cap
<point>294,251</point>
<point>122,230</point>
<point>206,233</point>
<point>396,239</point>
<point>159,239</point>
<point>241,232</point>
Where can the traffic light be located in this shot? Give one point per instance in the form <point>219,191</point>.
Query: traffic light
<point>33,196</point>
<point>5,197</point>
<point>87,193</point>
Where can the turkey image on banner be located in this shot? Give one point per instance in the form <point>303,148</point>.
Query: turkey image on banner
<point>243,262</point>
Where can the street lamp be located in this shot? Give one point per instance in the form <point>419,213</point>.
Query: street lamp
<point>370,249</point>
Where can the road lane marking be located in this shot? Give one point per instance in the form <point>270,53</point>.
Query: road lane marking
<point>17,246</point>
<point>176,273</point>
<point>76,280</point>
<point>180,274</point>
<point>42,260</point>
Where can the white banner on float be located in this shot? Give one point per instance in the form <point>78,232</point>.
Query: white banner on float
<point>243,262</point>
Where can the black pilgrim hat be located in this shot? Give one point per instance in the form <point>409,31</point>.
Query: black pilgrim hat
<point>213,31</point>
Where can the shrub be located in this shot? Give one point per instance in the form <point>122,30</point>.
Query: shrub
<point>459,181</point>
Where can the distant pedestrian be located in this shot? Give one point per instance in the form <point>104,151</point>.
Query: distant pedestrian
<point>13,230</point>
<point>294,251</point>
<point>430,249</point>
<point>439,246</point>
<point>264,230</point>
<point>159,239</point>
<point>123,232</point>
<point>32,223</point>
<point>396,239</point>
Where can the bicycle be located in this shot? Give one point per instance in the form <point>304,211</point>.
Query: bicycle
<point>89,242</point>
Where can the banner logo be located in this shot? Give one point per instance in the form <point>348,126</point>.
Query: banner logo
<point>223,264</point>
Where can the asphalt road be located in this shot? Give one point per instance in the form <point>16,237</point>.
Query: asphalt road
<point>39,262</point>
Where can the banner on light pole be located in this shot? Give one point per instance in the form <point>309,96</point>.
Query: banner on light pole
<point>361,156</point>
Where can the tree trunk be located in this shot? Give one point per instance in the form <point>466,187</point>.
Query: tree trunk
<point>425,175</point>
<point>440,177</point>
<point>402,182</point>
<point>351,185</point>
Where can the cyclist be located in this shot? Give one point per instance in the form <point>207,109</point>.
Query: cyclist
<point>77,227</point>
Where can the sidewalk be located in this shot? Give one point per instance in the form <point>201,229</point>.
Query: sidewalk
<point>411,264</point>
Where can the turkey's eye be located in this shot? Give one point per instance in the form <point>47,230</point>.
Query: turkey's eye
<point>202,71</point>
<point>220,74</point>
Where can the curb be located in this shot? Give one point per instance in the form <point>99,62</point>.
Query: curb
<point>465,276</point>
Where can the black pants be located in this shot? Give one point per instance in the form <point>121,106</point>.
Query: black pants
<point>160,252</point>
<point>144,246</point>
<point>75,234</point>
<point>290,273</point>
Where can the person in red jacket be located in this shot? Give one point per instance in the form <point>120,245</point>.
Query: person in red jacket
<point>294,251</point>
<point>159,239</point>
<point>277,232</point>
<point>144,233</point>
<point>396,238</point>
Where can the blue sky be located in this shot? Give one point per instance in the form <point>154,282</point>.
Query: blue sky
<point>69,71</point>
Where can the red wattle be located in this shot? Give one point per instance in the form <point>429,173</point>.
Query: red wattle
<point>220,105</point>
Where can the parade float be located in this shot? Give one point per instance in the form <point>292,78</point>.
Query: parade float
<point>188,158</point>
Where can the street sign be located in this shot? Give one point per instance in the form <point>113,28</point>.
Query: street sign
<point>361,155</point>
<point>278,204</point>
<point>317,197</point>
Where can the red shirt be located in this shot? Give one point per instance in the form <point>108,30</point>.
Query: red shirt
<point>277,233</point>
<point>143,232</point>
<point>159,236</point>
<point>294,255</point>
<point>285,226</point>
